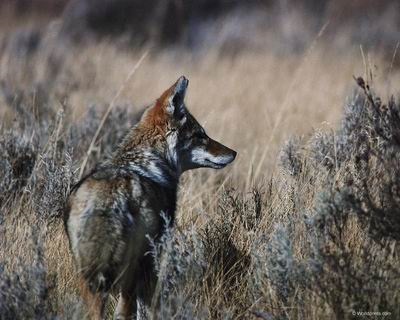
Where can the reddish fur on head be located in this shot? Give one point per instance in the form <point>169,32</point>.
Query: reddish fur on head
<point>158,115</point>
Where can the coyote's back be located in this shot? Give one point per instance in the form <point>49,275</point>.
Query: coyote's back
<point>114,211</point>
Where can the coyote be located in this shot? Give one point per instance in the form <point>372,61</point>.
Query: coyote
<point>113,212</point>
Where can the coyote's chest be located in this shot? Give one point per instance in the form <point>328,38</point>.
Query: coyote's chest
<point>155,205</point>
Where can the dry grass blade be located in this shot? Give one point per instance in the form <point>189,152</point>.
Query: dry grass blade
<point>106,114</point>
<point>296,78</point>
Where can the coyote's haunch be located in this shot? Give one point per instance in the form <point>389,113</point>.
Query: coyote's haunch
<point>112,212</point>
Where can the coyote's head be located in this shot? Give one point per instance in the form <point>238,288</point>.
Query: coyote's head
<point>180,137</point>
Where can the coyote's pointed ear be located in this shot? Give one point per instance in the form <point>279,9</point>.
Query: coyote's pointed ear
<point>177,96</point>
<point>170,104</point>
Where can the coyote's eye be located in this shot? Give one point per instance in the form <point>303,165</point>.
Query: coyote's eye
<point>181,117</point>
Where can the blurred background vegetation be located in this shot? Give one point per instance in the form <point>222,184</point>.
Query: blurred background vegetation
<point>231,23</point>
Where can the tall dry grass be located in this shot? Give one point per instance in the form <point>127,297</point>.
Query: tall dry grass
<point>274,236</point>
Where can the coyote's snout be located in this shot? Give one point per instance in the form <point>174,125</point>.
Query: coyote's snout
<point>112,212</point>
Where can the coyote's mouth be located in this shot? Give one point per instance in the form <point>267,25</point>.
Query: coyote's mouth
<point>217,165</point>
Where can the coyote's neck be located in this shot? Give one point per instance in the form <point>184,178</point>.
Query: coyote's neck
<point>150,165</point>
<point>147,158</point>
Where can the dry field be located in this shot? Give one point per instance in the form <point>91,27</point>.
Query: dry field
<point>303,225</point>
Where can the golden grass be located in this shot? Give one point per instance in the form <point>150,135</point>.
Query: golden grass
<point>252,102</point>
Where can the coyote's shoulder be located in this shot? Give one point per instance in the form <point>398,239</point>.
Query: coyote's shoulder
<point>114,212</point>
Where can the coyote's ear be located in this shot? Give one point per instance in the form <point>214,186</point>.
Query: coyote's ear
<point>177,96</point>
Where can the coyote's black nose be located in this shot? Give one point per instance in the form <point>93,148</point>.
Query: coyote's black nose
<point>234,153</point>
